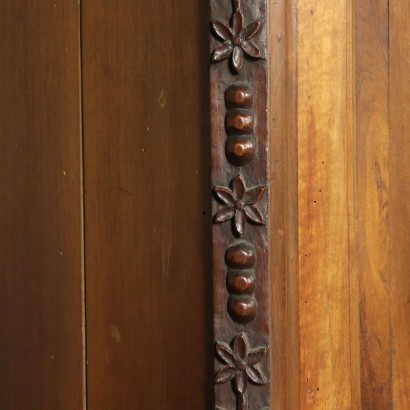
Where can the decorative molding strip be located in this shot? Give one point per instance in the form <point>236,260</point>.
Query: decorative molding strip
<point>240,174</point>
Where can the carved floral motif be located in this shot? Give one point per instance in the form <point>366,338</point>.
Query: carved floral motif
<point>240,366</point>
<point>239,204</point>
<point>236,40</point>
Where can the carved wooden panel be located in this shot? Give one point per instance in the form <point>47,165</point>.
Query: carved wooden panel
<point>240,203</point>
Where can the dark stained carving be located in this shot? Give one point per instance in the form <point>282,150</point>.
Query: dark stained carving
<point>242,309</point>
<point>240,150</point>
<point>236,39</point>
<point>241,282</point>
<point>239,122</point>
<point>239,138</point>
<point>240,367</point>
<point>239,204</point>
<point>239,95</point>
<point>240,255</point>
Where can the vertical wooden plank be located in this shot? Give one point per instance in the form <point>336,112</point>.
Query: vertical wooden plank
<point>282,34</point>
<point>146,116</point>
<point>373,210</point>
<point>354,289</point>
<point>291,207</point>
<point>399,82</point>
<point>323,206</point>
<point>278,215</point>
<point>41,341</point>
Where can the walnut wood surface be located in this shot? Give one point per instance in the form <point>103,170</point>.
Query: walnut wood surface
<point>331,328</point>
<point>146,116</point>
<point>41,341</point>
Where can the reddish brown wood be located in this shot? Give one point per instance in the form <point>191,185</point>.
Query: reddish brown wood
<point>373,211</point>
<point>240,175</point>
<point>41,298</point>
<point>148,223</point>
<point>239,95</point>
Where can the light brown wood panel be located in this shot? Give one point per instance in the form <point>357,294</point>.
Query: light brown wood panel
<point>147,166</point>
<point>399,149</point>
<point>41,340</point>
<point>283,204</point>
<point>291,206</point>
<point>373,203</point>
<point>323,205</point>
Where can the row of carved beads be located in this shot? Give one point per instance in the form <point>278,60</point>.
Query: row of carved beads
<point>241,281</point>
<point>239,124</point>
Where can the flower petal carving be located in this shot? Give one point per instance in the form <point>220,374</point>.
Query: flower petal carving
<point>250,49</point>
<point>237,22</point>
<point>225,374</point>
<point>225,353</point>
<point>254,215</point>
<point>256,355</point>
<point>240,346</point>
<point>256,375</point>
<point>224,214</point>
<point>224,32</point>
<point>236,39</point>
<point>243,367</point>
<point>238,187</point>
<point>240,221</point>
<point>239,204</point>
<point>223,51</point>
<point>252,29</point>
<point>225,195</point>
<point>241,382</point>
<point>254,195</point>
<point>237,58</point>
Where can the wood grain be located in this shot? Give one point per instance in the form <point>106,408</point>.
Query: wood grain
<point>399,149</point>
<point>41,341</point>
<point>283,209</point>
<point>278,234</point>
<point>149,275</point>
<point>291,207</point>
<point>323,206</point>
<point>354,288</point>
<point>339,205</point>
<point>373,207</point>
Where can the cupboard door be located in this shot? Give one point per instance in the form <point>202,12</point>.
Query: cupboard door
<point>147,207</point>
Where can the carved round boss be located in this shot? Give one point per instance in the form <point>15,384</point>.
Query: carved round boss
<point>239,95</point>
<point>242,308</point>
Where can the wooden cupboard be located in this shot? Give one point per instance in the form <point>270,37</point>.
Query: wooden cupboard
<point>105,205</point>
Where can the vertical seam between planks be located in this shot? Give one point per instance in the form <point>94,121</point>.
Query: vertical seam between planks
<point>392,341</point>
<point>83,196</point>
<point>351,152</point>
